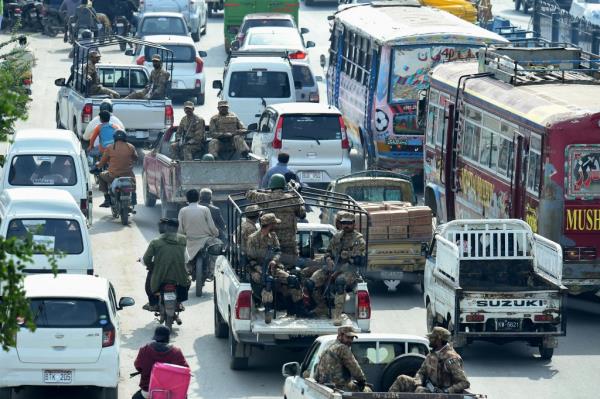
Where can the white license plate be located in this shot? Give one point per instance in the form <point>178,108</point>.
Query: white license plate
<point>312,175</point>
<point>58,376</point>
<point>392,275</point>
<point>33,14</point>
<point>170,296</point>
<point>119,25</point>
<point>141,135</point>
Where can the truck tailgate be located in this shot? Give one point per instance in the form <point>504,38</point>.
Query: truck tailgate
<point>139,114</point>
<point>296,327</point>
<point>510,302</point>
<point>401,255</point>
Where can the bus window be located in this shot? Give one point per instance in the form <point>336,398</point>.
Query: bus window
<point>505,157</point>
<point>471,141</point>
<point>485,154</point>
<point>533,166</point>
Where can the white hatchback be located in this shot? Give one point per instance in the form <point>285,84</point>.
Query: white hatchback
<point>277,38</point>
<point>76,342</point>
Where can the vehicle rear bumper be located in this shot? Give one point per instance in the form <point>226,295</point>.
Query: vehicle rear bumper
<point>328,172</point>
<point>411,277</point>
<point>581,277</point>
<point>140,137</point>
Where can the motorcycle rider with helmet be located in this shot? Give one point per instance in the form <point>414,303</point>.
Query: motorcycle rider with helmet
<point>105,105</point>
<point>120,158</point>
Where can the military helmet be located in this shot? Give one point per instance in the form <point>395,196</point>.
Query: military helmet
<point>156,57</point>
<point>347,217</point>
<point>222,103</point>
<point>277,181</point>
<point>252,211</point>
<point>347,331</point>
<point>440,333</point>
<point>120,135</point>
<point>106,105</point>
<point>86,34</point>
<point>208,157</point>
<point>269,218</point>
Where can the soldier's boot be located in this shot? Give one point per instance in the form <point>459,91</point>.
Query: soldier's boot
<point>338,311</point>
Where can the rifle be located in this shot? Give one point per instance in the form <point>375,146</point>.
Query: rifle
<point>267,281</point>
<point>327,290</point>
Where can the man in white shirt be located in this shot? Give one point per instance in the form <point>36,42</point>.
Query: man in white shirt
<point>105,105</point>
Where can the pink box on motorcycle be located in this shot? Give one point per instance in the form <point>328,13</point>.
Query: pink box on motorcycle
<point>169,381</point>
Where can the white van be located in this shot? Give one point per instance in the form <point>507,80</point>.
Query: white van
<point>254,80</point>
<point>49,158</point>
<point>51,217</point>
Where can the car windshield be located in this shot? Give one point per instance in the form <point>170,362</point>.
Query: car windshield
<point>311,127</point>
<point>42,170</point>
<point>303,75</point>
<point>376,193</point>
<point>275,38</point>
<point>258,83</point>
<point>57,235</point>
<point>163,26</point>
<point>181,53</point>
<point>252,23</point>
<point>68,312</point>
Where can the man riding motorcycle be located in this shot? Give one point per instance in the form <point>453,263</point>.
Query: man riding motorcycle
<point>120,157</point>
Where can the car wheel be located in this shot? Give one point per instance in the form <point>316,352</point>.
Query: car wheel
<point>196,36</point>
<point>205,24</point>
<point>111,393</point>
<point>199,275</point>
<point>209,12</point>
<point>149,198</point>
<point>58,124</point>
<point>517,5</point>
<point>525,6</point>
<point>430,318</point>
<point>6,393</point>
<point>546,353</point>
<point>221,328</point>
<point>200,99</point>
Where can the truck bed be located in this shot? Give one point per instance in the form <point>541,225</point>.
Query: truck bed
<point>501,275</point>
<point>294,327</point>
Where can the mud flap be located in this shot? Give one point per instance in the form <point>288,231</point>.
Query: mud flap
<point>550,342</point>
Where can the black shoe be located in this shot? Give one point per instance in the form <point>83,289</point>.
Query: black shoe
<point>106,203</point>
<point>133,199</point>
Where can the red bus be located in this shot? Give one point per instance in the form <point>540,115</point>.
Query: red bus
<point>514,136</point>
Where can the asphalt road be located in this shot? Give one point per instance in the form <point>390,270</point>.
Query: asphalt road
<point>510,371</point>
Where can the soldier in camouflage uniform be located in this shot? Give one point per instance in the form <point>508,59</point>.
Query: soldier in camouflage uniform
<point>285,284</point>
<point>156,89</point>
<point>441,371</point>
<point>223,124</point>
<point>190,134</point>
<point>276,197</point>
<point>338,365</point>
<point>92,79</point>
<point>248,226</point>
<point>348,248</point>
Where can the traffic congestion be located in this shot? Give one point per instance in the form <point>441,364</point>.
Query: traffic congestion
<point>391,199</point>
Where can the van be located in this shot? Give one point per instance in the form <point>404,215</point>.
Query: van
<point>253,81</point>
<point>49,158</point>
<point>52,218</point>
<point>314,135</point>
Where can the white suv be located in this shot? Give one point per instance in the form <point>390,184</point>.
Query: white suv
<point>314,135</point>
<point>76,342</point>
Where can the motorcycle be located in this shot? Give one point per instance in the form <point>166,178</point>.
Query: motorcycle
<point>168,307</point>
<point>32,15</point>
<point>122,192</point>
<point>53,22</point>
<point>121,27</point>
<point>203,263</point>
<point>14,15</point>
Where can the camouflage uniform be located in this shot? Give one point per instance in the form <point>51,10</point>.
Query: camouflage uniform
<point>93,82</point>
<point>286,231</point>
<point>338,366</point>
<point>247,228</point>
<point>443,368</point>
<point>190,134</point>
<point>221,124</point>
<point>156,89</point>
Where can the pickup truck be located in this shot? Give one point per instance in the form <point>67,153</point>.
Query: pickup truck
<point>395,242</point>
<point>143,119</point>
<point>169,179</point>
<point>495,280</point>
<point>238,317</point>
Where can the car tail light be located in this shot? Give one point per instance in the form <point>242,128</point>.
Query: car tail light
<point>345,142</point>
<point>140,60</point>
<point>364,305</point>
<point>169,288</point>
<point>579,253</point>
<point>27,82</point>
<point>18,11</point>
<point>199,64</point>
<point>277,141</point>
<point>83,205</point>
<point>108,337</point>
<point>169,115</point>
<point>243,305</point>
<point>543,317</point>
<point>86,113</point>
<point>298,55</point>
<point>314,97</point>
<point>475,318</point>
<point>198,83</point>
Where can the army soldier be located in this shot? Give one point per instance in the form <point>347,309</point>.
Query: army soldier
<point>277,197</point>
<point>258,246</point>
<point>348,248</point>
<point>248,226</point>
<point>338,365</point>
<point>225,124</point>
<point>92,79</point>
<point>441,371</point>
<point>190,134</point>
<point>156,89</point>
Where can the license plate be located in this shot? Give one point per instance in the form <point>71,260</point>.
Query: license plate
<point>58,376</point>
<point>170,296</point>
<point>141,135</point>
<point>312,175</point>
<point>33,14</point>
<point>119,25</point>
<point>392,275</point>
<point>508,324</point>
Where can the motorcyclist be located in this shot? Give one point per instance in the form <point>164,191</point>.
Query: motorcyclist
<point>206,200</point>
<point>85,18</point>
<point>103,134</point>
<point>105,105</point>
<point>165,261</point>
<point>120,158</point>
<point>156,351</point>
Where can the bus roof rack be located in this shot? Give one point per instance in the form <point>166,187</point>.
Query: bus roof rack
<point>525,65</point>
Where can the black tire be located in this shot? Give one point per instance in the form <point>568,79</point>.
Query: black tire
<point>196,37</point>
<point>6,393</point>
<point>49,30</point>
<point>57,117</point>
<point>111,393</point>
<point>517,5</point>
<point>221,327</point>
<point>203,32</point>
<point>236,363</point>
<point>526,6</point>
<point>123,46</point>
<point>169,322</point>
<point>209,12</point>
<point>124,216</point>
<point>430,318</point>
<point>199,275</point>
<point>200,99</point>
<point>546,353</point>
<point>407,365</point>
<point>149,198</point>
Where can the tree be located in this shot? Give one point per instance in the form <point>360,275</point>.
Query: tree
<point>15,254</point>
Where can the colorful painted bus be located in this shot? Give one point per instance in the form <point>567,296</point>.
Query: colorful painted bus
<point>379,62</point>
<point>515,136</point>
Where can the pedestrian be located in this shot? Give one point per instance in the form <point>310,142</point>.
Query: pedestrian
<point>190,135</point>
<point>157,351</point>
<point>282,161</point>
<point>156,89</point>
<point>441,371</point>
<point>223,125</point>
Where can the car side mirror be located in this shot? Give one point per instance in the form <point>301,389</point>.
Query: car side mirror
<point>330,17</point>
<point>202,54</point>
<point>217,84</point>
<point>310,44</point>
<point>291,369</point>
<point>125,301</point>
<point>304,30</point>
<point>60,82</point>
<point>322,60</point>
<point>253,127</point>
<point>264,129</point>
<point>129,51</point>
<point>297,84</point>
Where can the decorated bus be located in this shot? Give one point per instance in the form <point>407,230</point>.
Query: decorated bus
<point>517,135</point>
<point>379,62</point>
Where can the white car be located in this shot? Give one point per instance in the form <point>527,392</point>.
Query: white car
<point>193,11</point>
<point>188,77</point>
<point>77,339</point>
<point>588,9</point>
<point>314,135</point>
<point>162,23</point>
<point>277,38</point>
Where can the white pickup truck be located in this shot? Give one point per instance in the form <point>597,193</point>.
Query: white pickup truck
<point>144,120</point>
<point>495,280</point>
<point>238,317</point>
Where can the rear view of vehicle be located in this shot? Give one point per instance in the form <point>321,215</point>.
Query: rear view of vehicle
<point>262,19</point>
<point>162,23</point>
<point>277,39</point>
<point>305,83</point>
